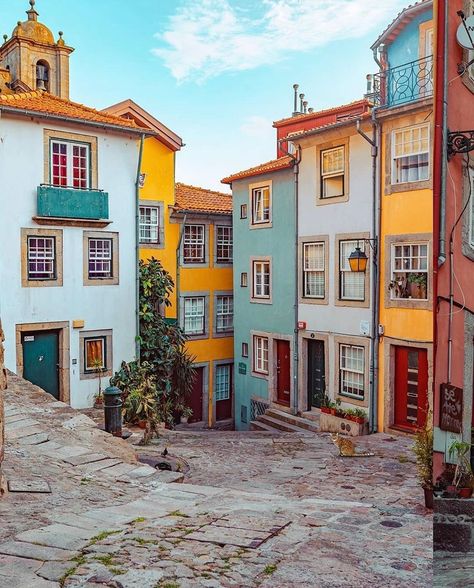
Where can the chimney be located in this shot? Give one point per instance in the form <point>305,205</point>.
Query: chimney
<point>295,106</point>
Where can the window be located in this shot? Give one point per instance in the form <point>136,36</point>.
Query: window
<point>95,350</point>
<point>224,313</point>
<point>261,205</point>
<point>194,315</point>
<point>100,258</point>
<point>41,258</point>
<point>149,224</point>
<point>243,211</point>
<point>223,382</point>
<point>224,245</point>
<point>411,155</point>
<point>245,349</point>
<point>243,280</point>
<point>194,244</point>
<point>351,284</point>
<point>409,277</point>
<point>314,279</point>
<point>261,279</point>
<point>351,371</point>
<point>70,164</point>
<point>332,172</point>
<point>260,354</point>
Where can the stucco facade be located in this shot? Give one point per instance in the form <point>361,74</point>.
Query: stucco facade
<point>3,385</point>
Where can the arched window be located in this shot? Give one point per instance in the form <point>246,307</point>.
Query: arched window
<point>42,75</point>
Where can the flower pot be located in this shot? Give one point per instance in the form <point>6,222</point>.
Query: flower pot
<point>332,411</point>
<point>428,497</point>
<point>184,420</point>
<point>359,420</point>
<point>465,492</point>
<point>142,424</point>
<point>325,409</point>
<point>99,403</point>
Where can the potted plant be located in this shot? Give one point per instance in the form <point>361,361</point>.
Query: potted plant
<point>186,413</point>
<point>463,480</point>
<point>418,284</point>
<point>326,404</point>
<point>98,369</point>
<point>140,406</point>
<point>423,449</point>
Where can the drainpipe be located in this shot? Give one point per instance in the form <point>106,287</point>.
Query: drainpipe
<point>296,171</point>
<point>178,268</point>
<point>137,249</point>
<point>374,338</point>
<point>444,145</point>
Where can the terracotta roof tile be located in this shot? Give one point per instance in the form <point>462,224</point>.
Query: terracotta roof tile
<point>401,20</point>
<point>197,199</point>
<point>328,126</point>
<point>319,113</point>
<point>269,166</point>
<point>47,104</point>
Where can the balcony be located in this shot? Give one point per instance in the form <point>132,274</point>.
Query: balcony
<point>72,206</point>
<point>403,84</point>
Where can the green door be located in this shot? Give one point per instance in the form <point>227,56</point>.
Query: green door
<point>40,360</point>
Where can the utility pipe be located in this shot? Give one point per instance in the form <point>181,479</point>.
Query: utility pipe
<point>137,249</point>
<point>444,144</point>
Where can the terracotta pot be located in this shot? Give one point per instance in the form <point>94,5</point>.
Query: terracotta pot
<point>325,409</point>
<point>142,424</point>
<point>332,411</point>
<point>428,498</point>
<point>99,403</point>
<point>359,420</point>
<point>451,489</point>
<point>465,492</point>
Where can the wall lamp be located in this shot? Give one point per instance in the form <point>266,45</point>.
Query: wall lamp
<point>358,258</point>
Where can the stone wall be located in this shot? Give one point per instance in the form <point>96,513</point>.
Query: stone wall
<point>3,385</point>
<point>453,525</point>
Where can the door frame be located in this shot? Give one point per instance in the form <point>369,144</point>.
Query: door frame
<point>389,376</point>
<point>215,363</point>
<point>273,376</point>
<point>62,328</point>
<point>205,390</point>
<point>306,336</point>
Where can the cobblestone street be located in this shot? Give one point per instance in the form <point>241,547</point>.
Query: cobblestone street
<point>253,509</point>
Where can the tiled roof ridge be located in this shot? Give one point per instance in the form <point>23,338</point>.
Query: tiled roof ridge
<point>271,165</point>
<point>398,17</point>
<point>317,113</point>
<point>209,191</point>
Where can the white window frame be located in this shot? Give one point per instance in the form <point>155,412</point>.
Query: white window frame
<point>263,216</point>
<point>46,256</point>
<point>224,302</point>
<point>92,369</point>
<point>258,289</point>
<point>307,271</point>
<point>395,158</point>
<point>225,240</point>
<point>222,393</point>
<point>188,301</point>
<point>152,227</point>
<point>70,163</point>
<point>409,269</point>
<point>341,172</point>
<point>345,270</point>
<point>260,354</point>
<point>198,241</point>
<point>100,259</point>
<point>344,372</point>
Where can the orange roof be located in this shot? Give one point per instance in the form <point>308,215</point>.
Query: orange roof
<point>269,166</point>
<point>195,199</point>
<point>401,20</point>
<point>43,104</point>
<point>319,113</point>
<point>322,128</point>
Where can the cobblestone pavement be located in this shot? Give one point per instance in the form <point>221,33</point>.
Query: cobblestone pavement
<point>453,570</point>
<point>253,510</point>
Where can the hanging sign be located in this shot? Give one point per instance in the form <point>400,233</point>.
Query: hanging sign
<point>451,408</point>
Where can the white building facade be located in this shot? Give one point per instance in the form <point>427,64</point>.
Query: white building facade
<point>335,217</point>
<point>68,243</point>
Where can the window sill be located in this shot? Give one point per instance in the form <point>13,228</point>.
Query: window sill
<point>71,222</point>
<point>260,300</point>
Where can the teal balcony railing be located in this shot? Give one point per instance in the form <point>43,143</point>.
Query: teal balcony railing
<point>53,201</point>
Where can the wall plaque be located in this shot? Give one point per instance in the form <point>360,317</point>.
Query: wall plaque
<point>451,408</point>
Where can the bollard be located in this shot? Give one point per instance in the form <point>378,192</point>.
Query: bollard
<point>113,410</point>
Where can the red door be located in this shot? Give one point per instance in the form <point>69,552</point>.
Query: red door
<point>283,372</point>
<point>411,387</point>
<point>195,400</point>
<point>223,387</point>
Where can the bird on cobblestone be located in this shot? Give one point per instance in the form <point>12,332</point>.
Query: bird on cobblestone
<point>165,452</point>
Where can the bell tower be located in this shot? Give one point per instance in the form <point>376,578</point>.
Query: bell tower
<point>32,60</point>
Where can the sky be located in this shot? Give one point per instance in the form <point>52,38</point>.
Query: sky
<point>217,72</point>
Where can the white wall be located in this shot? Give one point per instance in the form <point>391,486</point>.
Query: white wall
<point>101,307</point>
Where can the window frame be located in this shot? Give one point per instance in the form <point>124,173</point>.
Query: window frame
<point>52,259</point>
<point>107,336</point>
<point>255,222</point>
<point>57,235</point>
<point>343,270</point>
<point>187,298</point>
<point>394,271</point>
<point>261,298</point>
<point>108,259</point>
<point>220,260</point>
<point>200,261</point>
<point>150,241</point>
<point>86,340</point>
<point>223,332</point>
<point>218,367</point>
<point>305,244</point>
<point>113,279</point>
<point>244,349</point>
<point>342,369</point>
<point>70,144</point>
<point>243,211</point>
<point>258,363</point>
<point>394,158</point>
<point>336,174</point>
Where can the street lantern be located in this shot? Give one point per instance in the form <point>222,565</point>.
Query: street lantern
<point>358,260</point>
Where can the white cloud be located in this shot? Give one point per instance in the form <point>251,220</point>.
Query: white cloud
<point>257,126</point>
<point>206,38</point>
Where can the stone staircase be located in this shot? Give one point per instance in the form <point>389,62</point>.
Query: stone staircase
<point>277,421</point>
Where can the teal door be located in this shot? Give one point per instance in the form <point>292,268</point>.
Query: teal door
<point>40,360</point>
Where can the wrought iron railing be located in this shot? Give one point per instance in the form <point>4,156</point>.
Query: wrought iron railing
<point>404,83</point>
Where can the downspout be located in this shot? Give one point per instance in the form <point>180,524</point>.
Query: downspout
<point>178,268</point>
<point>374,339</point>
<point>137,249</point>
<point>444,146</point>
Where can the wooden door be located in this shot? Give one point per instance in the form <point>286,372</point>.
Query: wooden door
<point>223,390</point>
<point>41,360</point>
<point>195,400</point>
<point>411,387</point>
<point>283,372</point>
<point>316,376</point>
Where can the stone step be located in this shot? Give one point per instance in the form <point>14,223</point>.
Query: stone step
<point>259,426</point>
<point>299,422</point>
<point>277,423</point>
<point>312,415</point>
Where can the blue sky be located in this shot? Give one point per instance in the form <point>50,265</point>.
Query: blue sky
<point>217,72</point>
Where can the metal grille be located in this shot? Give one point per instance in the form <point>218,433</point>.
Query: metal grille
<point>257,407</point>
<point>404,83</point>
